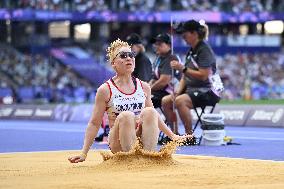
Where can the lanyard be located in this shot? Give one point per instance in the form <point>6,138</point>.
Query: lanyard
<point>156,67</point>
<point>157,62</point>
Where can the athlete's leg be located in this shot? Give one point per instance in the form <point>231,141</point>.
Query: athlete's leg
<point>122,135</point>
<point>150,130</point>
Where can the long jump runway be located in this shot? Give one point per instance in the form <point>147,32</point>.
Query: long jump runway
<point>33,154</point>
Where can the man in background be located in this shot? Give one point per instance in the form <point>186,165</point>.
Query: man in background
<point>162,73</point>
<point>143,66</point>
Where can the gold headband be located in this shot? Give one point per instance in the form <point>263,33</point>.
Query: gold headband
<point>113,47</point>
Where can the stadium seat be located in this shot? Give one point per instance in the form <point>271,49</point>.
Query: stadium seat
<point>67,94</point>
<point>5,91</point>
<point>26,94</point>
<point>92,96</point>
<point>80,94</point>
<point>42,93</point>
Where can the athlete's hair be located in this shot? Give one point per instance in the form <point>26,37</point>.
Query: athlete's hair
<point>113,47</point>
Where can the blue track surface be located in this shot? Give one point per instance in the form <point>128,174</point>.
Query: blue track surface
<point>29,136</point>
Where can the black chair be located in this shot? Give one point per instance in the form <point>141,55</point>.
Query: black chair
<point>197,103</point>
<point>195,108</point>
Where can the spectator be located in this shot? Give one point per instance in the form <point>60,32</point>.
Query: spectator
<point>162,72</point>
<point>143,66</point>
<point>49,80</point>
<point>195,87</point>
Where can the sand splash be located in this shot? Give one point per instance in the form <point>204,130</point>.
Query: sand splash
<point>138,157</point>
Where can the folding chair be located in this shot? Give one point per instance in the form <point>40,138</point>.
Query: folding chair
<point>195,108</point>
<point>197,104</point>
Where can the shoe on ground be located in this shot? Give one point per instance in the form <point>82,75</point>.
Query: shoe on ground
<point>164,140</point>
<point>191,141</point>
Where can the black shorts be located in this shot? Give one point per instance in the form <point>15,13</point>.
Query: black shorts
<point>157,98</point>
<point>202,99</point>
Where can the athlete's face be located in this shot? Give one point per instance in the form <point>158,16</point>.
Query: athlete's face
<point>124,61</point>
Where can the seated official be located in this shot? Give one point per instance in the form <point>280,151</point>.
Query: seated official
<point>196,87</point>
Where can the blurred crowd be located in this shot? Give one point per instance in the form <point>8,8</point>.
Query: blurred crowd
<point>44,80</point>
<point>40,79</point>
<point>234,6</point>
<point>252,76</point>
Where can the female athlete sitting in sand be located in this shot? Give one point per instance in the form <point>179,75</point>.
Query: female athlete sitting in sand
<point>127,101</point>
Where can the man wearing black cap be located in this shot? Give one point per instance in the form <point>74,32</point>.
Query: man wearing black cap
<point>143,66</point>
<point>195,87</point>
<point>162,72</point>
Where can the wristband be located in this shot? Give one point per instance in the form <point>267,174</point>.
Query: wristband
<point>184,69</point>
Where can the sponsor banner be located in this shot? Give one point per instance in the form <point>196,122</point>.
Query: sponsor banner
<point>81,113</point>
<point>234,114</point>
<point>33,112</point>
<point>6,111</point>
<point>62,112</point>
<point>140,16</point>
<point>238,115</point>
<point>23,112</point>
<point>44,112</point>
<point>266,115</point>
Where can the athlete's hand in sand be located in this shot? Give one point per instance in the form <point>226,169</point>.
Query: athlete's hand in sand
<point>181,138</point>
<point>77,159</point>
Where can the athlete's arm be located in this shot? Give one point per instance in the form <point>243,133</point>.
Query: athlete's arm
<point>95,121</point>
<point>162,126</point>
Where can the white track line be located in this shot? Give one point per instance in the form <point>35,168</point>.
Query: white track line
<point>44,129</point>
<point>205,156</point>
<point>259,138</point>
<point>185,155</point>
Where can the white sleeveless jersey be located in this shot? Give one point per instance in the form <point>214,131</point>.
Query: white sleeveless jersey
<point>120,101</point>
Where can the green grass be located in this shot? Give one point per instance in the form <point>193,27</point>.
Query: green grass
<point>270,101</point>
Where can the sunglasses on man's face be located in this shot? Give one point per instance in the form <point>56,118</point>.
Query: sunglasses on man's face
<point>124,55</point>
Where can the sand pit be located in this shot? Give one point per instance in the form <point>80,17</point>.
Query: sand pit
<point>50,170</point>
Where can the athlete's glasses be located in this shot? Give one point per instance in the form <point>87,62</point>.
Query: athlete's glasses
<point>124,55</point>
